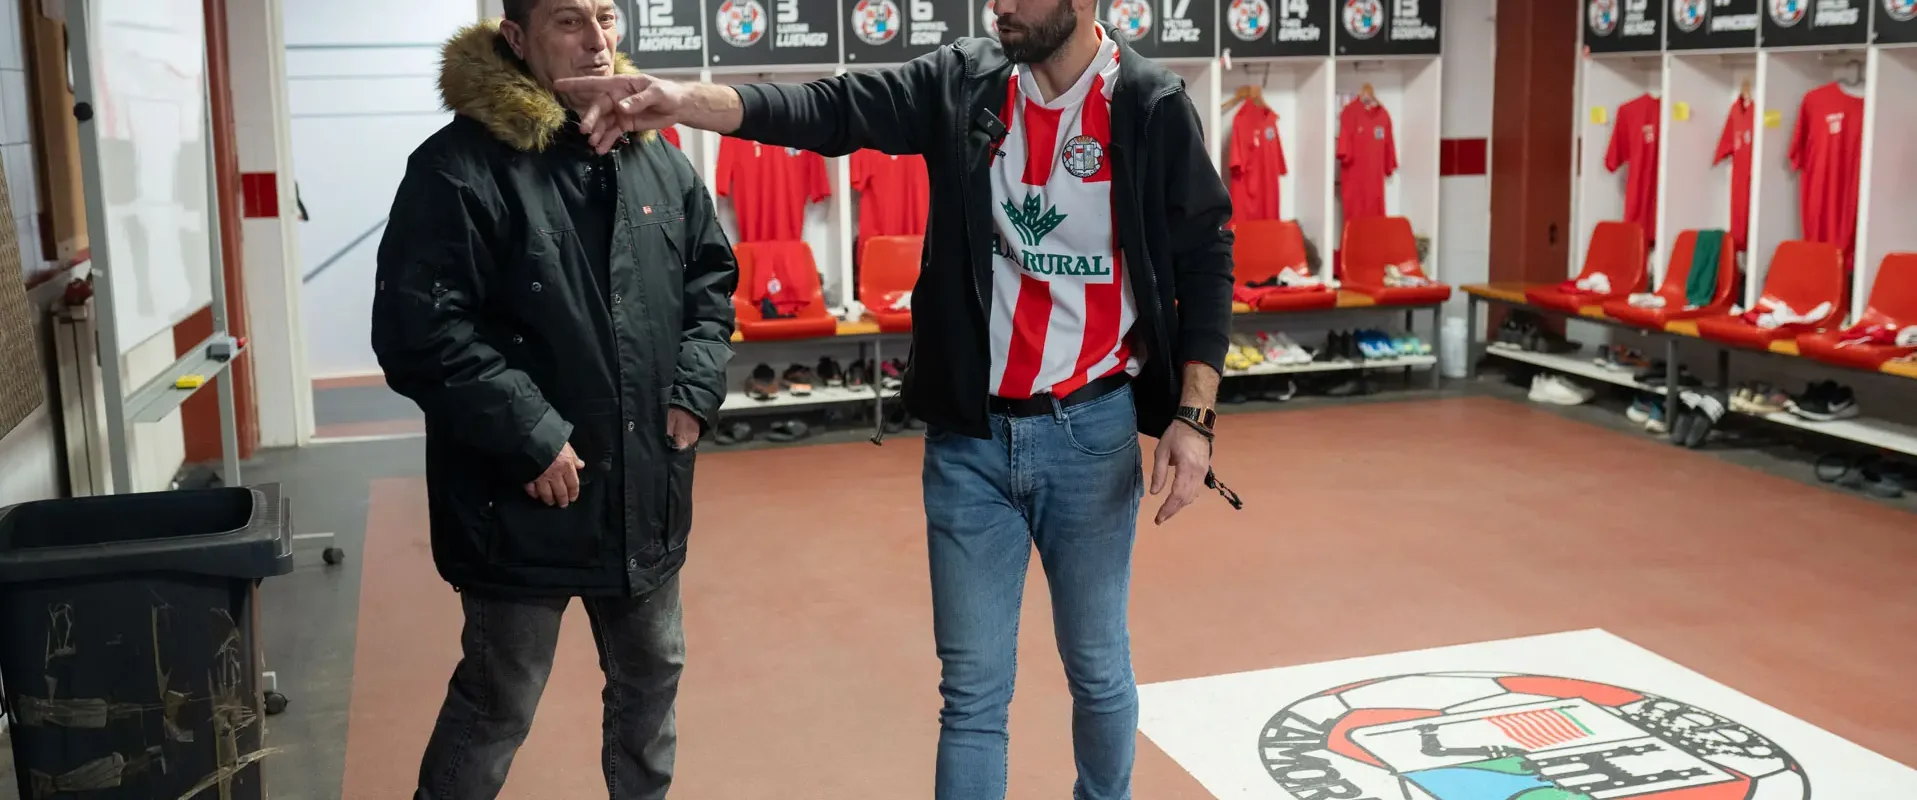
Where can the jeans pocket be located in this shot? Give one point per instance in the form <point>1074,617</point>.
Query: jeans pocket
<point>1103,427</point>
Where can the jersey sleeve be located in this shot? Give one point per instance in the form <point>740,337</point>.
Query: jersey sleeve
<point>862,170</point>
<point>1278,152</point>
<point>1727,141</point>
<point>1800,138</point>
<point>729,156</point>
<point>817,187</point>
<point>1390,148</point>
<point>1236,157</point>
<point>1344,137</point>
<point>1618,151</point>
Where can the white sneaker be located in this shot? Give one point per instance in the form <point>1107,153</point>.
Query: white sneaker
<point>1554,390</point>
<point>1295,353</point>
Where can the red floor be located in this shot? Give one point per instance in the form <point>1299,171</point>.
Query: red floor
<point>1367,529</point>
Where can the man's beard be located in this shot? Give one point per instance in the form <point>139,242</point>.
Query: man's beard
<point>1042,40</point>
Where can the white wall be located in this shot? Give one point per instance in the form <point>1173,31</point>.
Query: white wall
<point>1464,201</point>
<point>361,80</point>
<point>1696,194</point>
<point>1890,160</point>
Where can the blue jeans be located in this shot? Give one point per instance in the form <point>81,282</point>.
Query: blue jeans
<point>1069,482</point>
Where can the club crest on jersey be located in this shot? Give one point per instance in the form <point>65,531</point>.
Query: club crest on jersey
<point>875,22</point>
<point>1364,18</point>
<point>1603,16</point>
<point>1378,133</point>
<point>1497,735</point>
<point>1083,156</point>
<point>773,286</point>
<point>1901,10</point>
<point>1132,18</point>
<point>1248,19</point>
<point>741,22</point>
<point>1689,15</point>
<point>1271,133</point>
<point>988,18</point>
<point>1789,12</point>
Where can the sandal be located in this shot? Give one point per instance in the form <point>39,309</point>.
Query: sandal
<point>789,430</point>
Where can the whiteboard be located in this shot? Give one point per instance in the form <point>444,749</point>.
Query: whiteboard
<point>149,89</point>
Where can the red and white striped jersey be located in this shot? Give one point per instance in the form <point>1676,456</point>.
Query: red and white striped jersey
<point>1061,309</point>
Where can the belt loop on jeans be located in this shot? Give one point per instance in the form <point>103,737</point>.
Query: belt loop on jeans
<point>1058,409</point>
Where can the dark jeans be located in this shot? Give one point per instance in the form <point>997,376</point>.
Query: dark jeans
<point>1068,484</point>
<point>508,647</point>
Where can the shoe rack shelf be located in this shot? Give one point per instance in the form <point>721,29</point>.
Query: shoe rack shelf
<point>739,402</point>
<point>1573,364</point>
<point>1877,433</point>
<point>1340,365</point>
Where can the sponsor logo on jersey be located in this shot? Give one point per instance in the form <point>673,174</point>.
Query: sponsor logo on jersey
<point>1034,221</point>
<point>1497,735</point>
<point>1603,16</point>
<point>1789,12</point>
<point>1901,10</point>
<point>1132,18</point>
<point>1250,19</point>
<point>1082,155</point>
<point>1364,18</point>
<point>1689,15</point>
<point>742,23</point>
<point>875,22</point>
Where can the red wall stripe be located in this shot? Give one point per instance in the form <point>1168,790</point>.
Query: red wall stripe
<point>261,191</point>
<point>1458,157</point>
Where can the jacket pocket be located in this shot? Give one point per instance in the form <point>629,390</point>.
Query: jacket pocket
<point>527,532</point>
<point>679,469</point>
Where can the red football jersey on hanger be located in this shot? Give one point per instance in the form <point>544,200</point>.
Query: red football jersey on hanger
<point>1827,148</point>
<point>1634,142</point>
<point>894,194</point>
<point>1367,154</point>
<point>769,187</point>
<point>1735,144</point>
<point>1256,162</point>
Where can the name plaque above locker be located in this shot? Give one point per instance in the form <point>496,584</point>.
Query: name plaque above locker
<point>1714,24</point>
<point>1165,28</point>
<point>752,33</point>
<point>1276,28</point>
<point>1624,26</point>
<point>663,34</point>
<point>1894,22</point>
<point>1388,27</point>
<point>1798,23</point>
<point>897,31</point>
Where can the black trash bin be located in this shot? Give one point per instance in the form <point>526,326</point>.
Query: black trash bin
<point>127,642</point>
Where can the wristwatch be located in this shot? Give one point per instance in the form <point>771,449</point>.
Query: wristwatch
<point>1202,417</point>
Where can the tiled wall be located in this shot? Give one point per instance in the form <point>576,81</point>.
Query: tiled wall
<point>16,146</point>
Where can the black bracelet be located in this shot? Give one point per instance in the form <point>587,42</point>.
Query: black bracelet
<point>1208,433</point>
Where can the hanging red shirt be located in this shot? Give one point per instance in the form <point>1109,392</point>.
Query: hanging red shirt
<point>1367,154</point>
<point>1634,142</point>
<point>1827,147</point>
<point>1256,162</point>
<point>769,187</point>
<point>893,194</point>
<point>1735,144</point>
<point>671,134</point>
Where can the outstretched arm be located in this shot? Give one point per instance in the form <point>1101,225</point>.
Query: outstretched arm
<point>890,110</point>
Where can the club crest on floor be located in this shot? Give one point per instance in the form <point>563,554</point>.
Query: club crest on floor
<point>1492,736</point>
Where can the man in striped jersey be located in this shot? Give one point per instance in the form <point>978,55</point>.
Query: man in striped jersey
<point>1075,291</point>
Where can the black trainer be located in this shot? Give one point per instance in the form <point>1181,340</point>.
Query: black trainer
<point>762,384</point>
<point>858,375</point>
<point>829,372</point>
<point>1825,401</point>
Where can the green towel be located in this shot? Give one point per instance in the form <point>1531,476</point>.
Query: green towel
<point>1701,286</point>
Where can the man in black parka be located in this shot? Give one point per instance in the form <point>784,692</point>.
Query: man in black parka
<point>563,319</point>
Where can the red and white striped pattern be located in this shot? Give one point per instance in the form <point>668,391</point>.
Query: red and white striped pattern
<point>1057,329</point>
<point>1540,729</point>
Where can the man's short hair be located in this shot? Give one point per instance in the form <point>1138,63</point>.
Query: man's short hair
<point>520,11</point>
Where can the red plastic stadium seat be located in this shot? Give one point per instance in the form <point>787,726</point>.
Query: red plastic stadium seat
<point>888,266</point>
<point>809,322</point>
<point>1617,251</point>
<point>1676,275</point>
<point>1261,249</point>
<point>1370,245</point>
<point>1893,303</point>
<point>1802,276</point>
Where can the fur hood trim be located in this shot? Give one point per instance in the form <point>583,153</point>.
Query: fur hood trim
<point>480,77</point>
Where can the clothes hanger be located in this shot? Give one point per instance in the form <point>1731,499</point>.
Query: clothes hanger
<point>1744,91</point>
<point>1366,94</point>
<point>1248,93</point>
